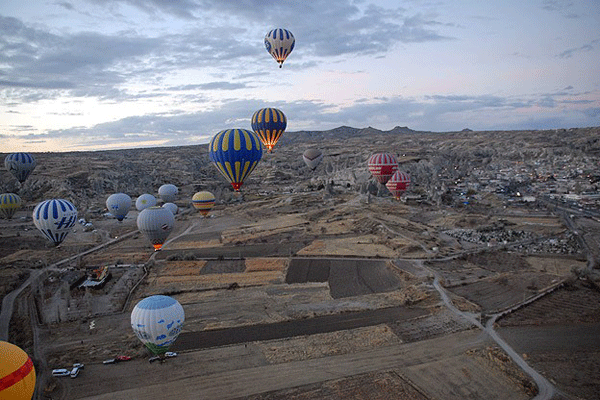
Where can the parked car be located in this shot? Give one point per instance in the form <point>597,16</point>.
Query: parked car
<point>110,361</point>
<point>170,354</point>
<point>75,372</point>
<point>123,358</point>
<point>60,372</point>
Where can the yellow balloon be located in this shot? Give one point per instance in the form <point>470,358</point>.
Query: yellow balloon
<point>17,374</point>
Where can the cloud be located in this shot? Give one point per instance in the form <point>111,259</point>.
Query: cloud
<point>582,49</point>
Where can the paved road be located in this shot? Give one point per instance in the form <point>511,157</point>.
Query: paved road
<point>311,326</point>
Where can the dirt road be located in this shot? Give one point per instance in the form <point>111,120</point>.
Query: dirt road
<point>236,371</point>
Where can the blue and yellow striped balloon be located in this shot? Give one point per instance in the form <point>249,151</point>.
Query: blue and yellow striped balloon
<point>235,152</point>
<point>9,203</point>
<point>269,124</point>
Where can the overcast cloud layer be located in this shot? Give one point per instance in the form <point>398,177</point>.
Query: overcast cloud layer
<point>102,74</point>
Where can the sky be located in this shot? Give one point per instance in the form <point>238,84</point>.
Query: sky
<point>110,74</point>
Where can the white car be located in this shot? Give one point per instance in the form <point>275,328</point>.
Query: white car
<point>74,372</point>
<point>60,372</point>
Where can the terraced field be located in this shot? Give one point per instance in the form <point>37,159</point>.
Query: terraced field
<point>567,305</point>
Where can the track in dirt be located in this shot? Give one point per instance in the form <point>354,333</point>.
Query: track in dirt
<point>281,330</point>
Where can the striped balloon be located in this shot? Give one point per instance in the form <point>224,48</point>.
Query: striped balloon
<point>203,202</point>
<point>235,152</point>
<point>269,124</point>
<point>55,218</point>
<point>279,43</point>
<point>398,184</point>
<point>382,166</point>
<point>157,322</point>
<point>156,223</point>
<point>17,374</point>
<point>9,204</point>
<point>20,165</point>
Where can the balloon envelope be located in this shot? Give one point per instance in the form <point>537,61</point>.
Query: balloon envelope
<point>9,204</point>
<point>168,193</point>
<point>157,321</point>
<point>269,124</point>
<point>312,158</point>
<point>171,207</point>
<point>144,201</point>
<point>398,183</point>
<point>279,43</point>
<point>235,153</point>
<point>17,374</point>
<point>55,218</point>
<point>20,165</point>
<point>382,166</point>
<point>156,223</point>
<point>203,202</point>
<point>118,204</point>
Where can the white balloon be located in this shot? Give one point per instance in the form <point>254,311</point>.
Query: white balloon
<point>157,322</point>
<point>118,204</point>
<point>144,201</point>
<point>168,192</point>
<point>171,207</point>
<point>55,218</point>
<point>312,158</point>
<point>156,223</point>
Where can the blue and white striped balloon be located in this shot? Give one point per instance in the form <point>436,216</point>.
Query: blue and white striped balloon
<point>20,165</point>
<point>279,43</point>
<point>55,218</point>
<point>157,322</point>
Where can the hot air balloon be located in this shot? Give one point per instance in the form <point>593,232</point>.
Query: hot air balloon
<point>171,207</point>
<point>9,204</point>
<point>235,152</point>
<point>20,165</point>
<point>55,218</point>
<point>17,374</point>
<point>168,192</point>
<point>382,166</point>
<point>312,158</point>
<point>118,204</point>
<point>203,201</point>
<point>279,43</point>
<point>269,124</point>
<point>144,201</point>
<point>156,223</point>
<point>157,321</point>
<point>398,184</point>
